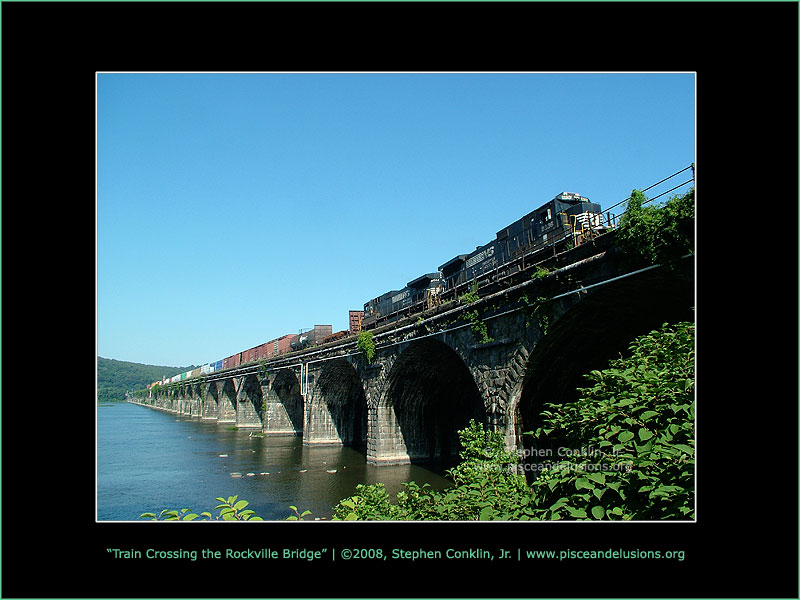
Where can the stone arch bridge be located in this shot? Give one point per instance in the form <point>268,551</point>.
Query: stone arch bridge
<point>433,372</point>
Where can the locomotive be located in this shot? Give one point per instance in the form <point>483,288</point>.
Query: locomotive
<point>423,289</point>
<point>567,218</point>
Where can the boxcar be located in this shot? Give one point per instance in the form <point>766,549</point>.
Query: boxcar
<point>284,343</point>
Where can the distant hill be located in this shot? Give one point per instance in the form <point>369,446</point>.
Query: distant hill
<point>115,377</point>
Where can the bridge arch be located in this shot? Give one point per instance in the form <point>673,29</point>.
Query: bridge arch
<point>427,397</point>
<point>589,333</point>
<point>336,412</point>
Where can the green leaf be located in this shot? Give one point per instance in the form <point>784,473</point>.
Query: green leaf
<point>625,436</point>
<point>583,483</point>
<point>577,513</point>
<point>486,513</point>
<point>645,434</point>
<point>598,512</point>
<point>648,414</point>
<point>598,477</point>
<point>240,504</point>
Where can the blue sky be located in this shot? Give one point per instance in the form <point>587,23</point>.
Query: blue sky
<point>234,208</point>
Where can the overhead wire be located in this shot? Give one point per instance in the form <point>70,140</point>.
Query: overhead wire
<point>658,183</point>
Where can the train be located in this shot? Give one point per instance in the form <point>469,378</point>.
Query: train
<point>281,345</point>
<point>568,218</point>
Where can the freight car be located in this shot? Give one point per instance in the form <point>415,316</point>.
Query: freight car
<point>356,316</point>
<point>339,335</point>
<point>311,337</point>
<point>567,218</point>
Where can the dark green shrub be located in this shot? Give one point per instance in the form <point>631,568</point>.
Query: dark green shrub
<point>650,235</point>
<point>630,435</point>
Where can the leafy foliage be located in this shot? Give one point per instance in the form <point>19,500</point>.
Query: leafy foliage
<point>486,486</point>
<point>297,516</point>
<point>230,509</point>
<point>541,309</point>
<point>652,235</point>
<point>634,430</point>
<point>480,331</point>
<point>478,327</point>
<point>540,272</point>
<point>365,343</point>
<point>469,297</point>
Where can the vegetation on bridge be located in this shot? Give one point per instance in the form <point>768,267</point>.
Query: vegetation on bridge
<point>366,345</point>
<point>652,235</point>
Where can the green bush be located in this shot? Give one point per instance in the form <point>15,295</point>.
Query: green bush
<point>651,235</point>
<point>485,486</point>
<point>630,435</point>
<point>365,343</point>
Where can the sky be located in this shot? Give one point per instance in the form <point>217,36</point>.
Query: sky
<point>234,208</point>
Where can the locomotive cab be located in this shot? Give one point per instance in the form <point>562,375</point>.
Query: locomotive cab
<point>579,217</point>
<point>427,289</point>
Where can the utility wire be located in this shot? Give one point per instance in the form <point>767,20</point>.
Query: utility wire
<point>655,184</point>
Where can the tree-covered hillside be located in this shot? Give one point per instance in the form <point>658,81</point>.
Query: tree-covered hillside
<point>114,377</point>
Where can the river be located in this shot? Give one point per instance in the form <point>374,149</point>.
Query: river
<point>148,460</point>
